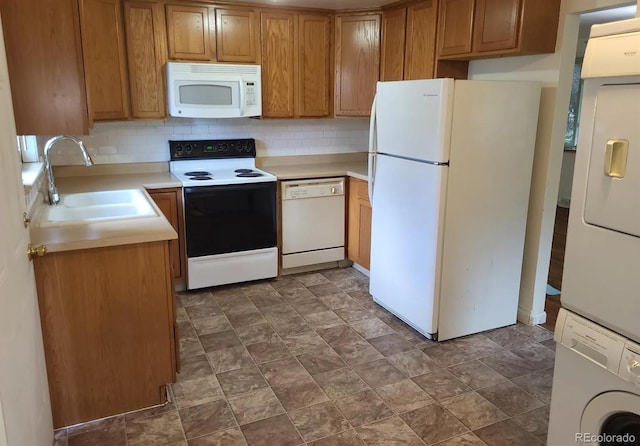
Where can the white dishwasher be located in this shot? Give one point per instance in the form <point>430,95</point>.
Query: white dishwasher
<point>313,214</point>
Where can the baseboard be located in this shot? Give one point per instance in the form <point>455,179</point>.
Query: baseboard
<point>309,268</point>
<point>361,269</point>
<point>529,318</point>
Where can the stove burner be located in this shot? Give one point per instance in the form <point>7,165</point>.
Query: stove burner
<point>201,178</point>
<point>249,174</point>
<point>243,170</point>
<point>197,173</point>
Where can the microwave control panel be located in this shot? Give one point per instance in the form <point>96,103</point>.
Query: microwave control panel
<point>250,93</point>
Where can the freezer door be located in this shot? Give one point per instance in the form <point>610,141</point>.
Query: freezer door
<point>614,167</point>
<point>414,118</point>
<point>406,239</point>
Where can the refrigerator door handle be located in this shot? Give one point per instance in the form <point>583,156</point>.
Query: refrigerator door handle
<point>373,150</point>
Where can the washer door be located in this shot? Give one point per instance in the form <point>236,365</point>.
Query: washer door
<point>612,419</point>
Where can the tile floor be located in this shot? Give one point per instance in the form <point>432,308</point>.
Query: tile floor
<point>311,360</point>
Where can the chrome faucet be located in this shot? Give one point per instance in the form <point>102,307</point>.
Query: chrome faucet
<point>54,196</point>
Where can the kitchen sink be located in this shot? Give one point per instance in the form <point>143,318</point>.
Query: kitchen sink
<point>98,206</point>
<point>102,198</point>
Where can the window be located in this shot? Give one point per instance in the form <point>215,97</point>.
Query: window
<point>573,118</point>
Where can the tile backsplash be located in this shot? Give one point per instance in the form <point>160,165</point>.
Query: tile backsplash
<point>133,142</point>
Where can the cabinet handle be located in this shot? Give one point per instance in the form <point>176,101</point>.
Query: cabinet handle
<point>36,251</point>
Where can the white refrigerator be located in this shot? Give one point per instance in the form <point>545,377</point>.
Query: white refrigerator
<point>449,178</point>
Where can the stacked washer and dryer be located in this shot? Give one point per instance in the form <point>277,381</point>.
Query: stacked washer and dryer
<point>596,385</point>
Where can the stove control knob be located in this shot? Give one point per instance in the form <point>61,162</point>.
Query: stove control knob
<point>179,148</point>
<point>224,147</point>
<point>188,148</point>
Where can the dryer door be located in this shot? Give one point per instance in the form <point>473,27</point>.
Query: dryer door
<point>614,166</point>
<point>611,418</point>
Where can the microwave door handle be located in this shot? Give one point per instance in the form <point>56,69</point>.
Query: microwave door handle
<point>241,83</point>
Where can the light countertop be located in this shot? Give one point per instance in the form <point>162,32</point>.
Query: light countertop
<point>110,232</point>
<point>77,179</point>
<point>316,166</point>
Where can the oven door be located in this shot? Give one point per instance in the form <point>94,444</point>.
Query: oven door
<point>220,98</point>
<point>225,219</point>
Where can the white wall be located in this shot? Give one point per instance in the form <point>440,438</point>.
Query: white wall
<point>554,71</point>
<point>566,178</point>
<point>137,141</point>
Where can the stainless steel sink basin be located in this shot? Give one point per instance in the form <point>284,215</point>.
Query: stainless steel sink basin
<point>98,206</point>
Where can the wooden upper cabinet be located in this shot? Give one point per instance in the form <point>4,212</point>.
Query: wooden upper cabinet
<point>147,54</point>
<point>537,25</point>
<point>237,35</point>
<point>473,29</point>
<point>392,57</point>
<point>44,57</point>
<point>357,63</point>
<point>496,25</point>
<point>278,64</point>
<point>314,66</point>
<point>421,40</point>
<point>455,29</point>
<point>105,64</point>
<point>190,32</point>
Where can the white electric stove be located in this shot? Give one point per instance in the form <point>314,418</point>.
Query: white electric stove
<point>229,211</point>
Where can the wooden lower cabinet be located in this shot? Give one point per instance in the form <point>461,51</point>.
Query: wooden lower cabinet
<point>170,203</point>
<point>107,318</point>
<point>359,223</point>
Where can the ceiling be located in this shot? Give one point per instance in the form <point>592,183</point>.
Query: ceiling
<point>325,4</point>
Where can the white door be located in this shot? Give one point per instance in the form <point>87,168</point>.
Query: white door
<point>25,415</point>
<point>614,167</point>
<point>406,239</point>
<point>414,118</point>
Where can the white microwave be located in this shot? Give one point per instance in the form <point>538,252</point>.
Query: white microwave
<point>207,90</point>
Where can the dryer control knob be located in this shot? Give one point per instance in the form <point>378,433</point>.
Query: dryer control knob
<point>634,371</point>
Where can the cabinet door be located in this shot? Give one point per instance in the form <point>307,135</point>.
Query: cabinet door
<point>190,31</point>
<point>359,225</point>
<point>109,350</point>
<point>236,35</point>
<point>497,23</point>
<point>44,57</point>
<point>314,67</point>
<point>421,40</point>
<point>170,203</point>
<point>146,48</point>
<point>455,27</point>
<point>394,23</point>
<point>278,64</point>
<point>357,63</point>
<point>104,59</point>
